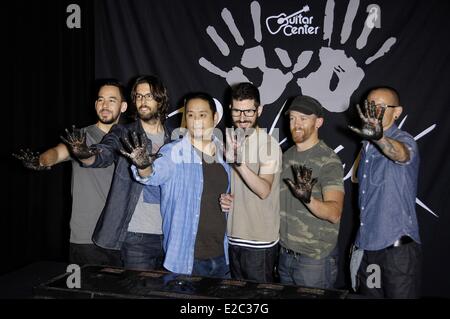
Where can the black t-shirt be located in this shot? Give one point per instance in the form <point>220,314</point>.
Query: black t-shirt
<point>212,224</point>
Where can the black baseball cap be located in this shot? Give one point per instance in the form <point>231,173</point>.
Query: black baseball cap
<point>306,105</point>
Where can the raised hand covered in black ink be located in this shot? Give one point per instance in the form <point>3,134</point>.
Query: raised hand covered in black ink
<point>76,142</point>
<point>303,185</point>
<point>235,141</point>
<point>30,160</point>
<point>372,128</point>
<point>138,153</point>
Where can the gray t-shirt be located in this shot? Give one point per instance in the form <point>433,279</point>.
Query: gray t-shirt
<point>147,216</point>
<point>90,187</point>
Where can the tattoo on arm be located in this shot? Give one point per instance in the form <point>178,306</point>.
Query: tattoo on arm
<point>393,149</point>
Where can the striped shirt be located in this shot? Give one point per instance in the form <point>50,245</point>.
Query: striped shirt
<point>251,243</point>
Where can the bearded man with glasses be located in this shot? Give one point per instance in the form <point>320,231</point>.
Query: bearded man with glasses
<point>253,205</point>
<point>131,219</point>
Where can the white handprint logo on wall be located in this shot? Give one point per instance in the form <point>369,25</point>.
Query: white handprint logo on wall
<point>274,81</point>
<point>334,63</point>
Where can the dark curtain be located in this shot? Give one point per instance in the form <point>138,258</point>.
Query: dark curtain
<point>50,73</point>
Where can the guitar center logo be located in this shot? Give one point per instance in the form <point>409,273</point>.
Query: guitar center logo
<point>292,24</point>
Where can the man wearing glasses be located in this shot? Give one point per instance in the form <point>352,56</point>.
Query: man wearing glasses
<point>131,219</point>
<point>388,235</point>
<point>254,202</point>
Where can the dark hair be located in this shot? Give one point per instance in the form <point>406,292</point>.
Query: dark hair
<point>113,82</point>
<point>203,96</point>
<point>245,91</point>
<point>393,91</point>
<point>158,91</point>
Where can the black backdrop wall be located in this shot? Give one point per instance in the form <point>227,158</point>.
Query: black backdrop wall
<point>50,72</point>
<point>349,47</point>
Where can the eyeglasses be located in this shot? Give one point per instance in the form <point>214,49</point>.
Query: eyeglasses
<point>139,97</point>
<point>248,113</point>
<point>381,105</point>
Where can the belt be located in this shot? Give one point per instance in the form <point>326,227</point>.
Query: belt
<point>401,241</point>
<point>290,252</point>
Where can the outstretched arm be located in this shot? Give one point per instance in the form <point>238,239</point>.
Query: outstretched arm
<point>76,143</point>
<point>54,155</point>
<point>46,160</point>
<point>393,149</point>
<point>372,128</point>
<point>160,171</point>
<point>139,154</point>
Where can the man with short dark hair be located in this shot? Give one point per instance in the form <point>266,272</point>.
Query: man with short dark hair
<point>254,215</point>
<point>89,187</point>
<point>192,174</point>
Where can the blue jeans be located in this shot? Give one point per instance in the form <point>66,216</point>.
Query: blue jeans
<point>142,251</point>
<point>255,264</point>
<point>211,267</point>
<point>298,269</point>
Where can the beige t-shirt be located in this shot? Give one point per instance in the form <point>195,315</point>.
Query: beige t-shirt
<point>253,218</point>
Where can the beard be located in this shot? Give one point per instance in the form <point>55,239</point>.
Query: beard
<point>301,136</point>
<point>149,116</point>
<point>107,119</point>
<point>248,124</point>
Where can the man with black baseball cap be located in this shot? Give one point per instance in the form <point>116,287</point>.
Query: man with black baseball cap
<point>306,105</point>
<point>311,201</point>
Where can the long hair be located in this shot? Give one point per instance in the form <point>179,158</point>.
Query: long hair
<point>158,91</point>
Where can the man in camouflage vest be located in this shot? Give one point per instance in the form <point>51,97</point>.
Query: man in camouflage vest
<point>311,200</point>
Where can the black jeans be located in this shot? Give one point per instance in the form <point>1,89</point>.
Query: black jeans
<point>142,251</point>
<point>400,272</point>
<point>253,263</point>
<point>82,254</point>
